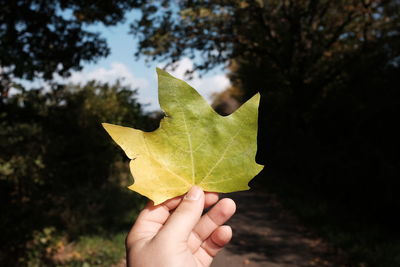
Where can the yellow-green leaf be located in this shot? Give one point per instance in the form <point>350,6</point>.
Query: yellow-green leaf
<point>193,145</point>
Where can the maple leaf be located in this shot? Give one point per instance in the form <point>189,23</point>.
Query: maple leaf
<point>193,145</point>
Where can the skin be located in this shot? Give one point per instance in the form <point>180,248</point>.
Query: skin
<point>175,234</point>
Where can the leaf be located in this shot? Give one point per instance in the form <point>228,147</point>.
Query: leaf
<point>193,145</point>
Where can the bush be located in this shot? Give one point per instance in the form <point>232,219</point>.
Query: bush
<point>60,173</point>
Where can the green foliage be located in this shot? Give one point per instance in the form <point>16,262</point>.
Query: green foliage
<point>303,41</point>
<point>101,251</point>
<point>41,247</point>
<point>193,145</point>
<point>41,38</point>
<point>57,166</point>
<point>328,73</point>
<point>51,248</point>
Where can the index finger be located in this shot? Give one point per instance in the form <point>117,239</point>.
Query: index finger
<point>153,217</point>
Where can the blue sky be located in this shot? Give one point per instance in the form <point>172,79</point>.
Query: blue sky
<point>122,64</point>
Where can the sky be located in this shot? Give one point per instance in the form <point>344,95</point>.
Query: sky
<point>121,64</point>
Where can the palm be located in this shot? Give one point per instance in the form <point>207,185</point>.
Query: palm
<point>161,230</point>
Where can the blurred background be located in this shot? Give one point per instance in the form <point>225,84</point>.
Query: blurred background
<point>328,73</point>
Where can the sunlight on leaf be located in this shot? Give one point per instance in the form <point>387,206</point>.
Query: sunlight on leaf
<point>193,145</point>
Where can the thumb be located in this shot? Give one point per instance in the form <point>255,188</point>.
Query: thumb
<point>182,221</point>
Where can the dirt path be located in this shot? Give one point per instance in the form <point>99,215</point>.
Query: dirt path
<point>264,234</point>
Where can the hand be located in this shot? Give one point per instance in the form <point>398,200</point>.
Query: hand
<point>174,234</point>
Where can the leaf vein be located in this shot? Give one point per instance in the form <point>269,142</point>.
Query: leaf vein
<point>222,157</point>
<point>162,163</point>
<point>189,137</point>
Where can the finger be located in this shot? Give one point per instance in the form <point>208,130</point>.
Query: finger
<point>158,213</point>
<point>210,199</point>
<point>210,221</point>
<point>154,217</point>
<point>151,219</point>
<point>181,222</point>
<point>212,245</point>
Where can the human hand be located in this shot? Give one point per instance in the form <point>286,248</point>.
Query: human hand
<point>175,234</point>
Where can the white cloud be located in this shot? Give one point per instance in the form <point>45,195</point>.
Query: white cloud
<point>211,84</point>
<point>115,72</point>
<point>147,87</point>
<point>118,71</point>
<point>183,65</point>
<point>206,85</point>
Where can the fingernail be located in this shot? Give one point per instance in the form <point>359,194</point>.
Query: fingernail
<point>194,193</point>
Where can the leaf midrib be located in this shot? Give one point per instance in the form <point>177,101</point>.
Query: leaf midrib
<point>221,158</point>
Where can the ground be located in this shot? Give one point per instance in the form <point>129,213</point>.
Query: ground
<point>265,234</point>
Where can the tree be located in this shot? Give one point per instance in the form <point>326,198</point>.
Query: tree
<point>327,74</point>
<point>57,165</point>
<point>41,38</point>
<point>296,43</point>
<point>298,54</point>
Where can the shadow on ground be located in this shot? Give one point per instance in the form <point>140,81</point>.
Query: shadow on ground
<point>265,234</point>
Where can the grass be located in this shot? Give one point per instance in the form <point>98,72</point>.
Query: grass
<point>100,241</point>
<point>51,248</point>
<point>93,251</point>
